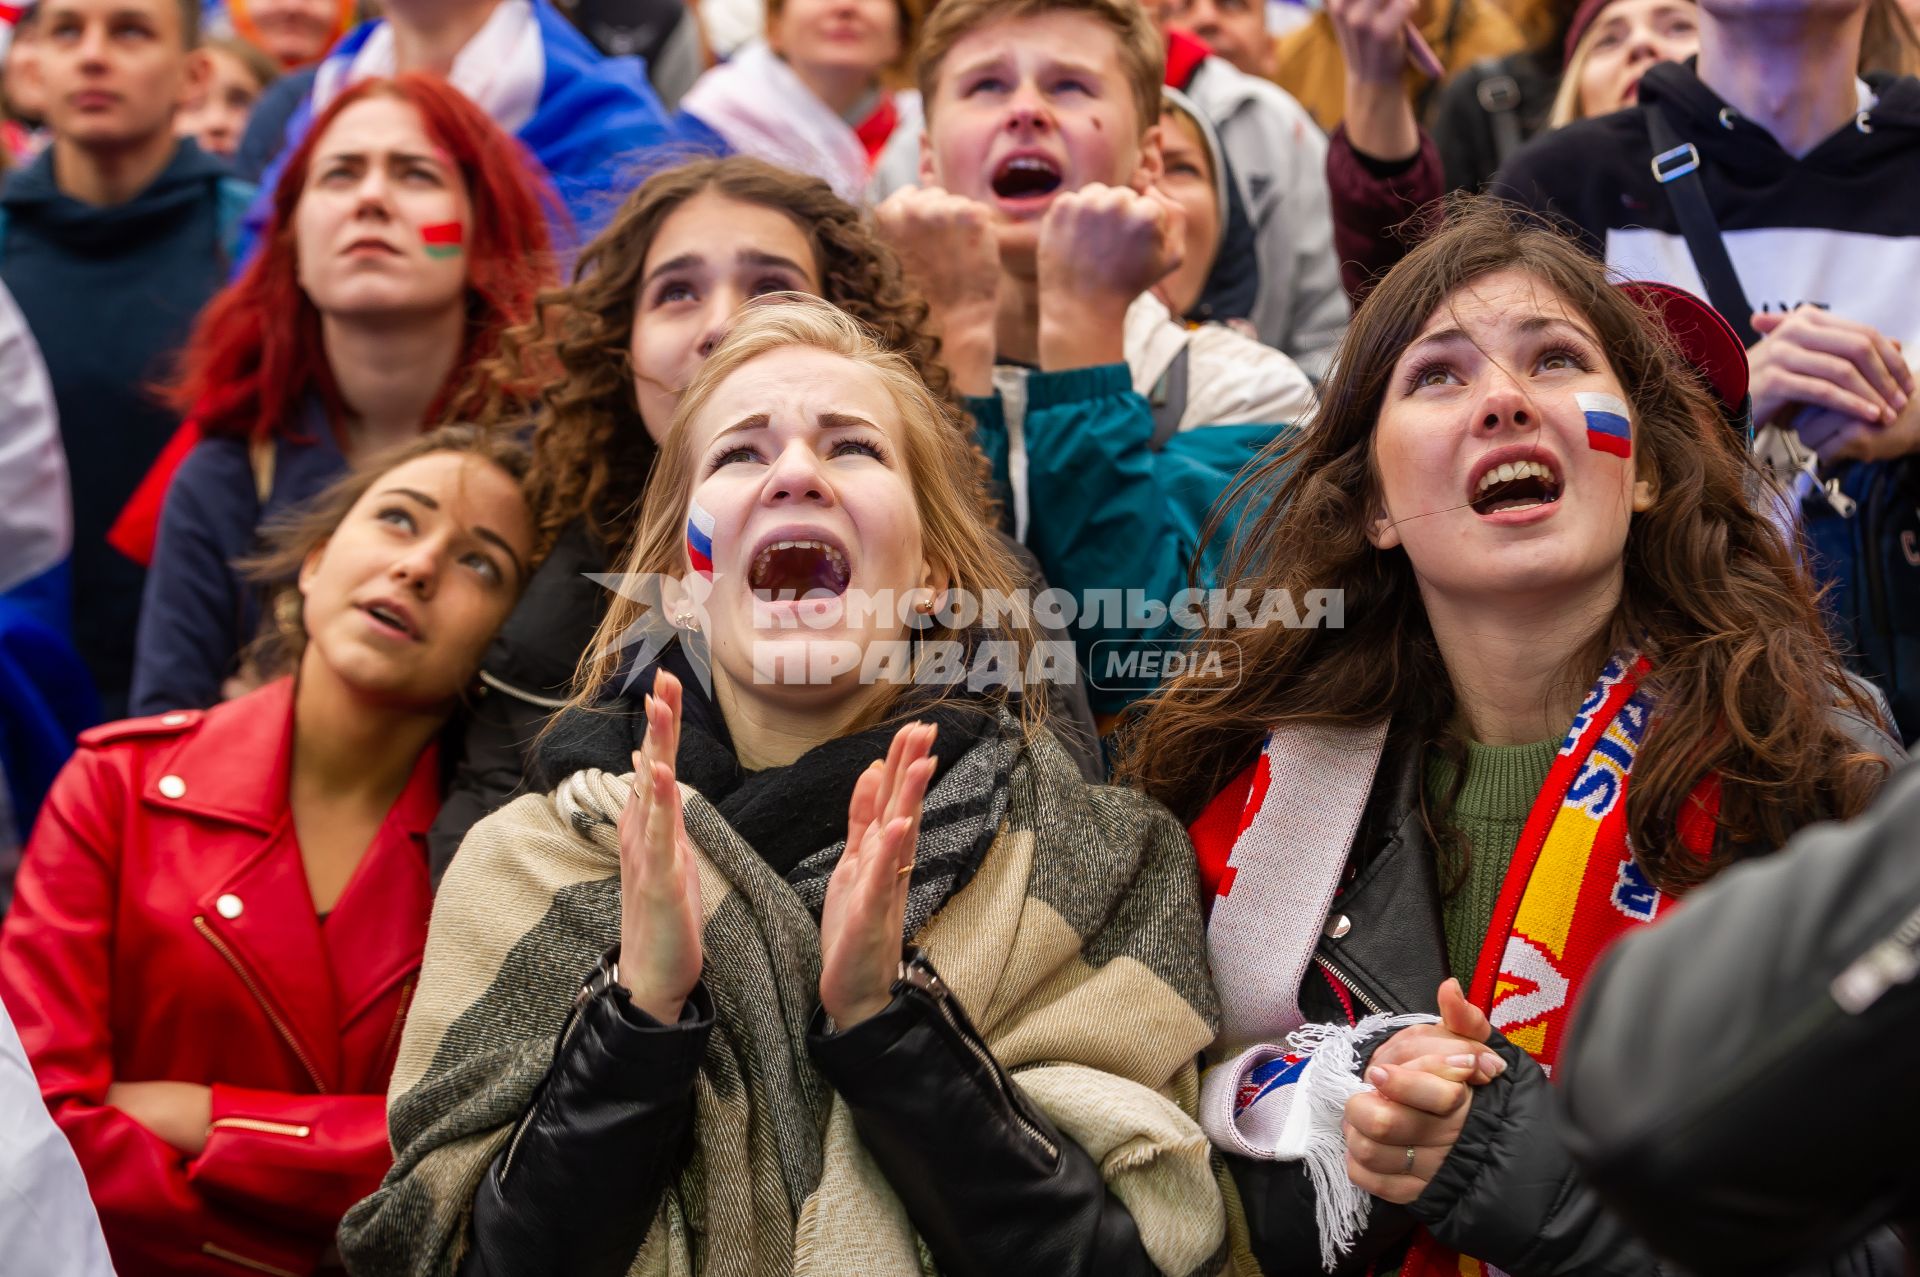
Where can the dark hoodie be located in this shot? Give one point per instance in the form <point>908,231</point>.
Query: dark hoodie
<point>1838,227</point>
<point>110,294</point>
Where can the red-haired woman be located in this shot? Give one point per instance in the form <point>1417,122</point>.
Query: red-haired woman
<point>407,234</point>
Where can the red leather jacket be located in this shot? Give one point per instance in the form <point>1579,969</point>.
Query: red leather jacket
<point>162,929</point>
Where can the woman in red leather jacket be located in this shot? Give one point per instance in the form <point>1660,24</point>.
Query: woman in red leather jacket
<point>221,913</point>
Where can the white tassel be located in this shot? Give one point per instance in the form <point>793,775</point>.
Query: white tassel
<point>1330,1079</point>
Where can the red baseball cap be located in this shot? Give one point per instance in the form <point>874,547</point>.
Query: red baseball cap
<point>1704,339</point>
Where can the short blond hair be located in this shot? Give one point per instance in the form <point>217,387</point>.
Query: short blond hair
<point>1143,55</point>
<point>948,490</point>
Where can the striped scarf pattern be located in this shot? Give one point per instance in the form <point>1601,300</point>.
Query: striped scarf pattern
<point>1572,889</point>
<point>1073,940</point>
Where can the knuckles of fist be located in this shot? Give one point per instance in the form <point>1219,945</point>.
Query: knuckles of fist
<point>1112,239</point>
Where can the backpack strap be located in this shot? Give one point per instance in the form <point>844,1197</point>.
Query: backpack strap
<point>1499,96</point>
<point>1169,401</point>
<point>1676,166</point>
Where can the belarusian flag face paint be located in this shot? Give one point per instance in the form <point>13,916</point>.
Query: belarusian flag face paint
<point>700,540</point>
<point>443,239</point>
<point>1608,427</point>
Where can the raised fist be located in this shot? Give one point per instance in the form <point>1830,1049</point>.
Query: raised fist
<point>949,251</point>
<point>1108,244</point>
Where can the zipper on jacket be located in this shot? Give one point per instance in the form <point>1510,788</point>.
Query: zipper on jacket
<point>567,1030</point>
<point>1351,985</point>
<point>388,1048</point>
<point>925,979</point>
<point>258,1266</point>
<point>296,1130</point>
<point>280,1027</point>
<point>1895,960</point>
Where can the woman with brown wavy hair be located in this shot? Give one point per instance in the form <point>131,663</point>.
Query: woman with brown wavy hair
<point>1553,579</point>
<point>651,297</point>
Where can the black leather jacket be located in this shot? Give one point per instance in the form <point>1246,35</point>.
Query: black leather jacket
<point>1509,1193</point>
<point>992,1187</point>
<point>1740,1081</point>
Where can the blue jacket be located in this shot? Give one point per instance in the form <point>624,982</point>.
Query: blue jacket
<point>1103,510</point>
<point>598,129</point>
<point>110,293</point>
<point>198,614</point>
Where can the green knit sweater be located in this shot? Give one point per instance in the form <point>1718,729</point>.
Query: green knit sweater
<point>1491,810</point>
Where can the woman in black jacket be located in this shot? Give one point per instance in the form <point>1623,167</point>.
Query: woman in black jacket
<point>756,1077</point>
<point>1578,674</point>
<point>650,298</point>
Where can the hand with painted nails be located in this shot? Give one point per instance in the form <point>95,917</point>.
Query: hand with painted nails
<point>660,915</point>
<point>866,906</point>
<point>1463,1029</point>
<point>1400,1133</point>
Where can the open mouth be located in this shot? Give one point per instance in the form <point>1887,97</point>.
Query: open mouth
<point>784,571</point>
<point>1515,485</point>
<point>1026,177</point>
<point>392,619</point>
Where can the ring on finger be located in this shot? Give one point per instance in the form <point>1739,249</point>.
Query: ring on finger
<point>1409,1168</point>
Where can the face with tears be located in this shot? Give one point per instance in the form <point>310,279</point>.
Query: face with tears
<point>803,502</point>
<point>1504,454</point>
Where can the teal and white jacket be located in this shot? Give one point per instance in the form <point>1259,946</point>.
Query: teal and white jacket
<point>1103,505</point>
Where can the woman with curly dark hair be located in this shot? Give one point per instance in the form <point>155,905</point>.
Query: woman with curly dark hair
<point>1576,671</point>
<point>651,297</point>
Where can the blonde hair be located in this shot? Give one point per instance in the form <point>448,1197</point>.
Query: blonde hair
<point>1143,54</point>
<point>939,463</point>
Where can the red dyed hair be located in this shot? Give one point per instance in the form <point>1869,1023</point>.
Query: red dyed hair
<point>256,349</point>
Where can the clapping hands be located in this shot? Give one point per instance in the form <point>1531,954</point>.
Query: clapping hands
<point>866,905</point>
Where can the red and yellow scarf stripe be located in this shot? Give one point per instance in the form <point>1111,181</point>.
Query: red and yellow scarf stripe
<point>1572,889</point>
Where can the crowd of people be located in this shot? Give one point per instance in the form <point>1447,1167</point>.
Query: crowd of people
<point>974,636</point>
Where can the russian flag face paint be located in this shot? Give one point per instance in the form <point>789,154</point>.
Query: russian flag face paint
<point>700,540</point>
<point>444,239</point>
<point>1609,429</point>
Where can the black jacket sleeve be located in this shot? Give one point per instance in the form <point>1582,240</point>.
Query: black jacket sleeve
<point>1509,1193</point>
<point>991,1186</point>
<point>1739,1081</point>
<point>579,1182</point>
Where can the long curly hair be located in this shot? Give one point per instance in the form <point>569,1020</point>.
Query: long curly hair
<point>1744,676</point>
<point>591,450</point>
<point>256,349</point>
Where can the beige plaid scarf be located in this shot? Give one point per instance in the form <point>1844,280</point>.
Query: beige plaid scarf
<point>1076,948</point>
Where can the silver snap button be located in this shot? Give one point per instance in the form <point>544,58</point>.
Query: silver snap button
<point>1338,925</point>
<point>173,719</point>
<point>229,906</point>
<point>173,787</point>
